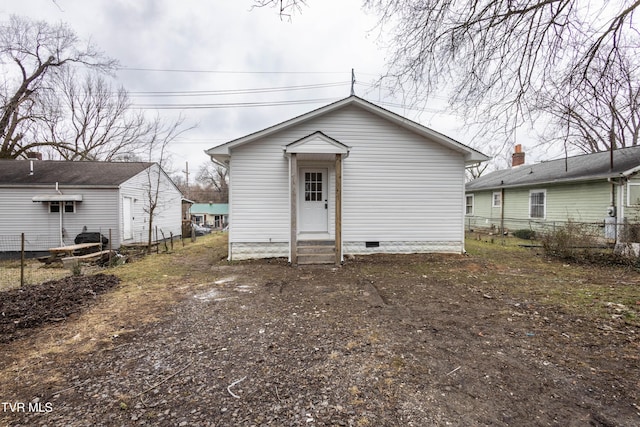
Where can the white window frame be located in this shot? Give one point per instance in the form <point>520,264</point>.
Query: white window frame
<point>62,206</point>
<point>493,199</point>
<point>629,201</point>
<point>473,204</point>
<point>544,206</point>
<point>68,203</point>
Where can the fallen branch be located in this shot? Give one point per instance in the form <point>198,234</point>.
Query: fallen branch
<point>454,371</point>
<point>163,381</point>
<point>234,383</point>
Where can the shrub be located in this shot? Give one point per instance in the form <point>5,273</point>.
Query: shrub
<point>571,241</point>
<point>525,234</point>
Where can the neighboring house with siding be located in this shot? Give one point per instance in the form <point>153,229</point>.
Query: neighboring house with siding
<point>591,188</point>
<point>214,215</point>
<point>53,201</point>
<point>347,178</point>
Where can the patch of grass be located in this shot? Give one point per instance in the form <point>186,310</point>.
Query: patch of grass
<point>148,287</point>
<point>523,274</point>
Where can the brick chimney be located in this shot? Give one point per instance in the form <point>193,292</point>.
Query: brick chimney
<point>517,158</point>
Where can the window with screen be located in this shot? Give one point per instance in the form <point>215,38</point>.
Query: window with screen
<point>469,205</point>
<point>537,199</point>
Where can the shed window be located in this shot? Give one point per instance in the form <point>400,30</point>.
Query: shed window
<point>68,206</point>
<point>537,203</point>
<point>469,204</point>
<point>496,199</point>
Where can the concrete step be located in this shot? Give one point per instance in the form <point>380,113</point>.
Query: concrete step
<point>319,250</point>
<point>316,252</point>
<point>310,259</point>
<point>316,243</point>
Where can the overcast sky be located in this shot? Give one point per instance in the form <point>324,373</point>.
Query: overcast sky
<point>198,48</point>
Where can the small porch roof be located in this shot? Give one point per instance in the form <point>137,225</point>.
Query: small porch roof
<point>316,143</point>
<point>57,198</point>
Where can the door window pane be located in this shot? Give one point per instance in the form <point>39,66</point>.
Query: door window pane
<point>313,186</point>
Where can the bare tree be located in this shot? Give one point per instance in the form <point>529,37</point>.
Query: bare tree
<point>215,176</point>
<point>161,136</point>
<point>287,8</point>
<point>600,113</point>
<point>31,52</point>
<point>496,56</point>
<point>90,120</point>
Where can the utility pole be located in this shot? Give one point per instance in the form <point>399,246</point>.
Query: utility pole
<point>186,172</point>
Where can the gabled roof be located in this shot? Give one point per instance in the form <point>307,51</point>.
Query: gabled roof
<point>222,152</point>
<point>317,142</point>
<point>50,172</point>
<point>210,208</point>
<point>585,167</point>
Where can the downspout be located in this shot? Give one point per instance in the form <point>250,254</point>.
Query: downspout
<point>502,211</point>
<point>617,205</point>
<point>60,209</point>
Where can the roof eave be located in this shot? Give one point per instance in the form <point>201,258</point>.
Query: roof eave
<point>471,155</point>
<point>548,182</point>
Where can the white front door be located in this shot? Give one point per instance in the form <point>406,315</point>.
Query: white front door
<point>127,218</point>
<point>313,201</point>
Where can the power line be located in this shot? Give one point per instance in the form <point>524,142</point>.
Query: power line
<point>181,70</point>
<point>231,104</point>
<point>236,91</point>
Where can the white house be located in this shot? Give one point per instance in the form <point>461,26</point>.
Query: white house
<point>347,178</point>
<point>53,201</point>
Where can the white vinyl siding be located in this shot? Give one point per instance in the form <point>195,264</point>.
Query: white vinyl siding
<point>259,197</point>
<point>168,213</point>
<point>397,186</point>
<point>42,228</point>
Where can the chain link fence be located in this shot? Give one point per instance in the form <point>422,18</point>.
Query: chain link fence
<point>26,258</point>
<point>20,264</point>
<point>606,231</point>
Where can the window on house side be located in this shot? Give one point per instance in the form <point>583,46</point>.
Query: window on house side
<point>69,207</point>
<point>469,205</point>
<point>54,207</point>
<point>633,194</point>
<point>496,199</point>
<point>537,200</point>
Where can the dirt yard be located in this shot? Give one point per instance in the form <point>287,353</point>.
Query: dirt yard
<point>501,337</point>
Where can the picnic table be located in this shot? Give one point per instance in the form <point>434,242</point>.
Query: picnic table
<point>71,250</point>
